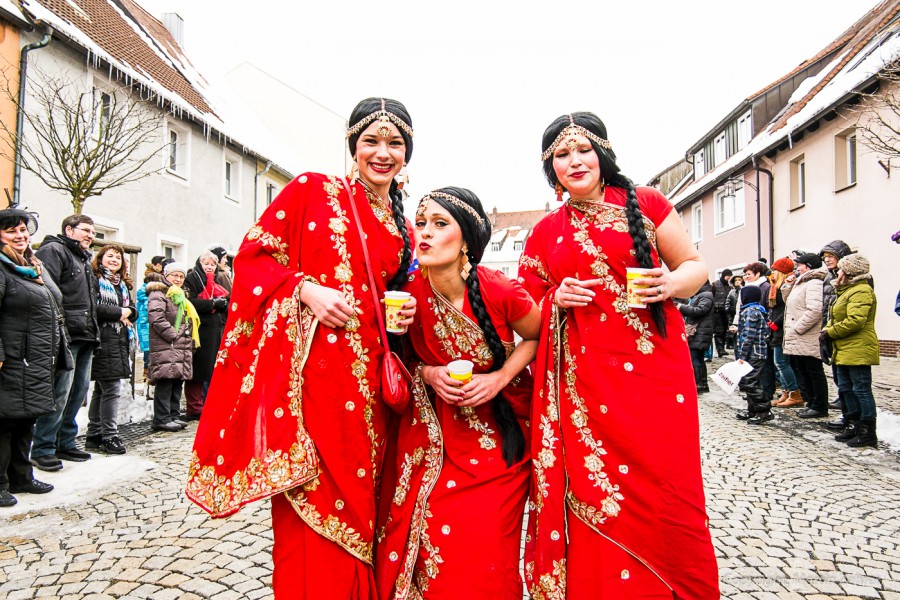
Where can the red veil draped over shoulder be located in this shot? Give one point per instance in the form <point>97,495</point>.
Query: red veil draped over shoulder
<point>295,406</point>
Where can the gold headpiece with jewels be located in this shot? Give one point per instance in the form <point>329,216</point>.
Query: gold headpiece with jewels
<point>385,118</point>
<point>570,130</point>
<point>452,200</point>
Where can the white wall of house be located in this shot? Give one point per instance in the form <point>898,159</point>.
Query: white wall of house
<point>186,211</point>
<point>864,214</point>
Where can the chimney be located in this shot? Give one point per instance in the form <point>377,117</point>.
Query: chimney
<point>175,24</point>
<point>547,207</point>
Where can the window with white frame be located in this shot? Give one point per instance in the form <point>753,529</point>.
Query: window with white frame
<point>745,130</point>
<point>232,176</point>
<point>518,246</point>
<point>177,150</point>
<point>697,222</point>
<point>505,271</point>
<point>729,208</point>
<point>172,247</point>
<point>845,159</point>
<point>699,165</point>
<point>798,182</point>
<point>720,150</point>
<point>495,246</point>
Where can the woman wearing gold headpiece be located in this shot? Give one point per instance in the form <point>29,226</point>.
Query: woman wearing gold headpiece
<point>294,410</point>
<point>619,509</point>
<point>454,505</point>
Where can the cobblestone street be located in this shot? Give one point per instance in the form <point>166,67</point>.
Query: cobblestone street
<point>793,513</point>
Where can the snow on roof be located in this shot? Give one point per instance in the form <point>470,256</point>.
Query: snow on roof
<point>881,51</point>
<point>141,52</point>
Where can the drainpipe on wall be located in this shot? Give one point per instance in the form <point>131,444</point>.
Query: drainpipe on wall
<point>771,210</point>
<point>20,110</point>
<point>256,188</point>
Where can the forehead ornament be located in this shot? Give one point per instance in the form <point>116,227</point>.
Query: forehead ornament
<point>385,118</point>
<point>567,136</point>
<point>452,200</point>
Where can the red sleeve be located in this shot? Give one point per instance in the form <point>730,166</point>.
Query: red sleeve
<point>654,205</point>
<point>506,296</point>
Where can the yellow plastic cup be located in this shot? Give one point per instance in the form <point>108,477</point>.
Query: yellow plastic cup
<point>393,302</point>
<point>635,300</point>
<point>461,370</point>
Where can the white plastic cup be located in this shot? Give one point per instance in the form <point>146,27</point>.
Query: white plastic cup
<point>635,300</point>
<point>393,302</point>
<point>461,370</point>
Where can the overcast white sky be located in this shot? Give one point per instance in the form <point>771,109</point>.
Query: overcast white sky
<point>483,79</point>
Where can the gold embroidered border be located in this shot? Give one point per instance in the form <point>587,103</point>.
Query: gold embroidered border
<point>549,586</point>
<point>593,461</point>
<point>277,470</point>
<point>459,335</point>
<point>330,527</point>
<point>344,273</point>
<point>600,269</point>
<point>410,460</point>
<point>434,456</point>
<point>271,243</point>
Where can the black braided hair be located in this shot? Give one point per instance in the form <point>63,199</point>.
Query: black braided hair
<point>362,110</point>
<point>613,176</point>
<point>476,237</point>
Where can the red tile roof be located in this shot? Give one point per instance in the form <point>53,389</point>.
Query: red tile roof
<point>526,219</point>
<point>107,28</point>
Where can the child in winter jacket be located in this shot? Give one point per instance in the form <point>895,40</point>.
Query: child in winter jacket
<point>752,347</point>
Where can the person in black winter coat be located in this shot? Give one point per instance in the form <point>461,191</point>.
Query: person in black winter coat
<point>698,312</point>
<point>32,349</point>
<point>752,347</point>
<point>830,254</point>
<point>211,301</point>
<point>720,289</point>
<point>112,361</point>
<point>731,304</point>
<point>67,260</point>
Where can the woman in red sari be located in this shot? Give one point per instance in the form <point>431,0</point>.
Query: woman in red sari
<point>453,506</point>
<point>294,411</point>
<point>619,510</point>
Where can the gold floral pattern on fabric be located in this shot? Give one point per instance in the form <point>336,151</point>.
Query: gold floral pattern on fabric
<point>276,470</point>
<point>548,586</point>
<point>600,269</point>
<point>343,273</point>
<point>535,264</point>
<point>549,424</point>
<point>331,527</point>
<point>271,243</point>
<point>240,329</point>
<point>381,212</point>
<point>423,412</point>
<point>433,560</point>
<point>409,461</point>
<point>593,461</point>
<point>485,440</point>
<point>458,334</point>
<point>606,215</point>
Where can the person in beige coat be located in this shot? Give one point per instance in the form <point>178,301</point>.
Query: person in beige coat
<point>802,325</point>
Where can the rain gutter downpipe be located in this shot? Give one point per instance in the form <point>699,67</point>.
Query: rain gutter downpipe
<point>20,110</point>
<point>771,209</point>
<point>256,189</point>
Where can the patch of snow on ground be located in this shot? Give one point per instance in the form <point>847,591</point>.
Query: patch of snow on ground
<point>888,429</point>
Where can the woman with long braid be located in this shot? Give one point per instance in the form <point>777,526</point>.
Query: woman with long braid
<point>619,510</point>
<point>454,502</point>
<point>294,410</point>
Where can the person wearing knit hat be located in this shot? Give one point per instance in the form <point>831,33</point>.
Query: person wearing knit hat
<point>720,289</point>
<point>174,267</point>
<point>831,253</point>
<point>752,348</point>
<point>174,334</point>
<point>851,330</point>
<point>790,390</point>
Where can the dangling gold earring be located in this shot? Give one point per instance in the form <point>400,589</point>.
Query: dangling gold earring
<point>466,265</point>
<point>423,271</point>
<point>559,192</point>
<point>402,178</point>
<point>602,185</point>
<point>354,172</point>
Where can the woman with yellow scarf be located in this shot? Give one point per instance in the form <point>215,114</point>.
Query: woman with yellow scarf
<point>174,335</point>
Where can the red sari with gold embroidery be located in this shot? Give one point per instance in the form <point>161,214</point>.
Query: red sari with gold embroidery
<point>294,406</point>
<point>453,507</point>
<point>619,510</point>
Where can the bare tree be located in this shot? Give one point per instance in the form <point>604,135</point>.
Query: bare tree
<point>81,142</point>
<point>878,124</point>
